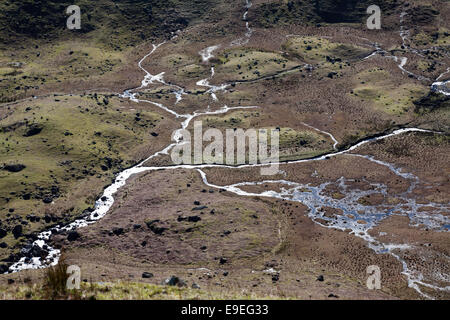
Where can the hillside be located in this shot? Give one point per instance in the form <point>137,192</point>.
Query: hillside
<point>94,122</point>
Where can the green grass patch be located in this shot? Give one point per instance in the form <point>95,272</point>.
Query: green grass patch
<point>78,146</point>
<point>321,50</point>
<point>251,64</point>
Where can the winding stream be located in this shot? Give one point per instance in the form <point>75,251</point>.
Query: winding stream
<point>314,197</point>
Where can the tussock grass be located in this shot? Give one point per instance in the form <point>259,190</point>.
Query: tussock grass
<point>55,283</point>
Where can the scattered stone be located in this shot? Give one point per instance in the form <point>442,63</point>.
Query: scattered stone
<point>47,200</point>
<point>189,219</point>
<point>331,295</point>
<point>195,286</point>
<point>199,208</point>
<point>320,278</point>
<point>14,167</point>
<point>26,196</point>
<point>118,231</point>
<point>174,281</point>
<point>17,231</point>
<point>3,245</point>
<point>33,130</point>
<point>11,281</point>
<point>331,75</point>
<point>156,229</point>
<point>73,235</point>
<point>194,219</point>
<point>2,233</point>
<point>36,251</point>
<point>223,260</point>
<point>147,275</point>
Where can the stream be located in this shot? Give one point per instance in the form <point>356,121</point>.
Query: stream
<point>313,197</point>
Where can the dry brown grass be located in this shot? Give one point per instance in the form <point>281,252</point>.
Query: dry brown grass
<point>55,283</point>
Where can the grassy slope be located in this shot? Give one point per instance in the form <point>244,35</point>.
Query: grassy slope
<point>119,21</point>
<point>83,142</point>
<point>281,12</point>
<point>251,64</point>
<point>97,50</point>
<point>34,34</point>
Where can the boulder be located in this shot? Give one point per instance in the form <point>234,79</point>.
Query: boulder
<point>189,219</point>
<point>33,130</point>
<point>275,277</point>
<point>3,268</point>
<point>174,281</point>
<point>73,235</point>
<point>152,225</point>
<point>14,167</point>
<point>47,200</point>
<point>194,219</point>
<point>17,231</point>
<point>37,251</point>
<point>118,231</point>
<point>147,275</point>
